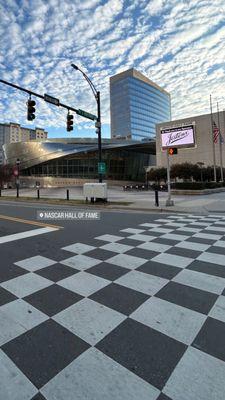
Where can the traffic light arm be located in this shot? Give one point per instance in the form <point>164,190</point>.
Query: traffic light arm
<point>41,97</point>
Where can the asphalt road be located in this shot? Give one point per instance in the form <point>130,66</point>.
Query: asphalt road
<point>124,307</point>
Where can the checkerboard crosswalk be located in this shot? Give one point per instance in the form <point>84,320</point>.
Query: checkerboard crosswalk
<point>137,314</point>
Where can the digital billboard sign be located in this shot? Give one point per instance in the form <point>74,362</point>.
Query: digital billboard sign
<point>183,136</point>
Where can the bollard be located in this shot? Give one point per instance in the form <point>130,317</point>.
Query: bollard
<point>156,198</point>
<point>0,192</point>
<point>17,191</point>
<point>67,194</point>
<point>38,193</point>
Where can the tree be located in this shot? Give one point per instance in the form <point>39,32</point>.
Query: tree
<point>185,171</point>
<point>157,174</point>
<point>5,174</point>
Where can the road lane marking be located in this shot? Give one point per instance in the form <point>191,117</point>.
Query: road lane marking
<point>29,222</point>
<point>26,234</point>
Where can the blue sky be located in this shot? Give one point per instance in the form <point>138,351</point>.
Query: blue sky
<point>177,44</point>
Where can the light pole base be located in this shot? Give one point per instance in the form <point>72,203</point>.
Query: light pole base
<point>169,203</point>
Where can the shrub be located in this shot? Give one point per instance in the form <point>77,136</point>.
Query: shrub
<point>197,185</point>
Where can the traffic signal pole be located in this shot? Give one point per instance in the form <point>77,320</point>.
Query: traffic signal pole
<point>169,201</point>
<point>96,94</point>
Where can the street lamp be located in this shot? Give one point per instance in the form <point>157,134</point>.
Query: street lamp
<point>96,93</point>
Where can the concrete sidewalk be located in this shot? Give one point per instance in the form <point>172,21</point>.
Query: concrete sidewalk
<point>143,201</point>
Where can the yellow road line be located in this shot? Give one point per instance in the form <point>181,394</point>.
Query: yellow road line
<point>29,222</point>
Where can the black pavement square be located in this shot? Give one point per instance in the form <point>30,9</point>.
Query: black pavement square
<point>200,240</point>
<point>162,396</point>
<point>108,271</point>
<point>39,396</point>
<point>158,269</point>
<point>185,233</point>
<point>53,299</point>
<point>120,298</point>
<point>207,268</point>
<point>178,251</point>
<point>142,253</point>
<point>100,254</point>
<point>186,296</point>
<point>217,250</point>
<point>44,351</point>
<point>210,339</point>
<point>131,242</point>
<point>56,272</point>
<point>144,351</point>
<point>6,297</point>
<point>153,233</point>
<point>169,242</point>
<point>8,272</point>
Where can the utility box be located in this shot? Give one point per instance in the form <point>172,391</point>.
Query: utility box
<point>95,191</point>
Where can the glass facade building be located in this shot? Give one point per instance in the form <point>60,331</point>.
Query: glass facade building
<point>136,106</point>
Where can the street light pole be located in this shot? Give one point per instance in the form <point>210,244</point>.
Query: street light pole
<point>96,94</point>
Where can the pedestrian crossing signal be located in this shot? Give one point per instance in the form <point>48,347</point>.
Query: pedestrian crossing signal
<point>172,151</point>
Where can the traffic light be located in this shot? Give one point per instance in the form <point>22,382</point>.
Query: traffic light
<point>31,110</point>
<point>69,122</point>
<point>172,151</point>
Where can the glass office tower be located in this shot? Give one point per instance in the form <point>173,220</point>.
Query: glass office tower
<point>136,106</point>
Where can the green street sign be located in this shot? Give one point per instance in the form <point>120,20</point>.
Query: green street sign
<point>86,114</point>
<point>101,168</point>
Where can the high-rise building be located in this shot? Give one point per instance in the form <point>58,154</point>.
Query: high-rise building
<point>136,105</point>
<point>12,132</point>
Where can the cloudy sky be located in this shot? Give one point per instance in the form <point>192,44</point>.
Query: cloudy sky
<point>178,44</point>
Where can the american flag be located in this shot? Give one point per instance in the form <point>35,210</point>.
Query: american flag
<point>216,133</point>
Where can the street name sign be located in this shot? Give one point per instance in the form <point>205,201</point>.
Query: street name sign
<point>86,114</point>
<point>51,99</point>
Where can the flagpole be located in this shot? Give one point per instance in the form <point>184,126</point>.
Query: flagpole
<point>220,144</point>
<point>213,143</point>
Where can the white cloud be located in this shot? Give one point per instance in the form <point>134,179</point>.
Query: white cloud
<point>178,44</point>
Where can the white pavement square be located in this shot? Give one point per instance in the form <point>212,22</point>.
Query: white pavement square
<point>172,259</point>
<point>80,262</point>
<point>35,263</point>
<point>208,236</point>
<point>145,283</point>
<point>14,384</point>
<point>172,236</point>
<point>193,246</point>
<point>83,283</point>
<point>142,238</point>
<point>116,247</point>
<point>127,261</point>
<point>218,310</point>
<point>95,376</point>
<point>198,376</point>
<point>171,319</point>
<point>153,246</point>
<point>132,230</point>
<point>201,281</point>
<point>26,284</point>
<point>79,248</point>
<point>89,320</point>
<point>214,258</point>
<point>109,238</point>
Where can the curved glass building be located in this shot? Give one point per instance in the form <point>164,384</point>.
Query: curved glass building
<point>78,158</point>
<point>136,105</point>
